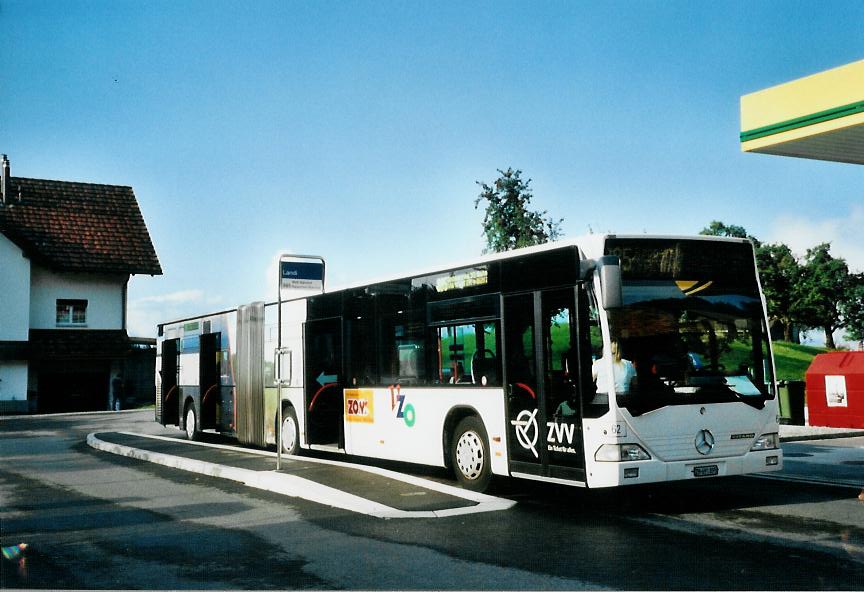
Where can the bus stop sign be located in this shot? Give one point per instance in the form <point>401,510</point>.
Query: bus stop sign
<point>301,275</point>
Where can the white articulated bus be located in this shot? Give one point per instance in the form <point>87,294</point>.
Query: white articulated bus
<point>597,362</point>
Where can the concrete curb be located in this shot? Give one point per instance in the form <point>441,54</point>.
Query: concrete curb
<point>816,435</point>
<point>71,413</point>
<point>853,486</point>
<point>294,486</point>
<point>804,437</point>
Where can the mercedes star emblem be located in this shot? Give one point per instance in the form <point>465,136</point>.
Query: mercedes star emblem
<point>704,442</point>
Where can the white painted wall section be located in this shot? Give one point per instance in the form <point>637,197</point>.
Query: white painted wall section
<point>13,381</point>
<point>104,295</point>
<point>15,293</point>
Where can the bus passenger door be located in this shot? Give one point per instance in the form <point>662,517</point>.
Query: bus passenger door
<point>170,397</point>
<point>522,389</point>
<point>544,412</point>
<point>562,401</point>
<point>323,370</point>
<point>209,378</point>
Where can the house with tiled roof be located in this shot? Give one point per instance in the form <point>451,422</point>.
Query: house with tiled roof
<point>67,251</point>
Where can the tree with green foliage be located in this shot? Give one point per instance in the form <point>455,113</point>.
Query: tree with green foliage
<point>852,308</point>
<point>718,228</point>
<point>779,272</point>
<point>821,291</point>
<point>508,223</point>
<point>815,292</point>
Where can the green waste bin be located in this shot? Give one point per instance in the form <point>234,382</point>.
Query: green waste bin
<point>792,402</point>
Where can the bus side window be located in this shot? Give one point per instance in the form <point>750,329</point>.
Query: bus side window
<point>467,354</point>
<point>361,351</point>
<point>402,358</point>
<point>594,405</point>
<point>360,339</point>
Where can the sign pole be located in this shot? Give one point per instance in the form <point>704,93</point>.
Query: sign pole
<point>296,272</point>
<point>278,364</point>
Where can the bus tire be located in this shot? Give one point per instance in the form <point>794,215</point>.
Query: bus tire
<point>469,454</point>
<point>290,433</point>
<point>190,422</point>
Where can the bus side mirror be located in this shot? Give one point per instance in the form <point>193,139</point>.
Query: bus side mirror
<point>610,282</point>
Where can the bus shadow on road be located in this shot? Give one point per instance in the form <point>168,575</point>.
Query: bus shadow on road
<point>673,498</point>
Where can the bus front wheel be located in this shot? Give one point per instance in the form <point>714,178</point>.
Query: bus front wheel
<point>469,455</point>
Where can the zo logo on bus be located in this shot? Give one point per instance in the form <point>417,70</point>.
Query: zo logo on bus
<point>403,411</point>
<point>359,406</point>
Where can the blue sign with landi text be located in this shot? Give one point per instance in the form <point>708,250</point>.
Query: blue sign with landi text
<point>304,275</point>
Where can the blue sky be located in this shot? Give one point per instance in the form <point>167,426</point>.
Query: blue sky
<point>357,130</point>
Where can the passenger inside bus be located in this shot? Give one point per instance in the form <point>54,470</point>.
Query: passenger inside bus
<point>567,408</point>
<point>570,406</point>
<point>484,368</point>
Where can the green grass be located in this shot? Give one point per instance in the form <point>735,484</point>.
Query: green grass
<point>792,360</point>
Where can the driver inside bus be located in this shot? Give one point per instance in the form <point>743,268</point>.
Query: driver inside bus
<point>623,373</point>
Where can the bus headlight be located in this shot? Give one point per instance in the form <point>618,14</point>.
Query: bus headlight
<point>766,442</point>
<point>620,453</point>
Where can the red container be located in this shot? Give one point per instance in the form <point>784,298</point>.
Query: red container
<point>835,390</point>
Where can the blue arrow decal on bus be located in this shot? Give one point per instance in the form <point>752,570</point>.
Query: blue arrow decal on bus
<point>326,378</point>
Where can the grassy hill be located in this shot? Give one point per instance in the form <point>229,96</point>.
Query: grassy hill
<point>792,360</point>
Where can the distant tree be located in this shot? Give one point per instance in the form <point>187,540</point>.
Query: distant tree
<point>821,291</point>
<point>779,272</point>
<point>718,228</point>
<point>508,223</point>
<point>852,308</point>
<point>816,291</point>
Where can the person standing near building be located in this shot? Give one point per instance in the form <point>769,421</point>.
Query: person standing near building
<point>116,401</point>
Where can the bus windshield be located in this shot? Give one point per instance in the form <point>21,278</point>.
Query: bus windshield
<point>689,342</point>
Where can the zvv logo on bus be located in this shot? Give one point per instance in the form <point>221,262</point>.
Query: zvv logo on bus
<point>527,433</point>
<point>403,411</point>
<point>359,406</point>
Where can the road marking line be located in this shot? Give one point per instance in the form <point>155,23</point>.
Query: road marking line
<point>294,486</point>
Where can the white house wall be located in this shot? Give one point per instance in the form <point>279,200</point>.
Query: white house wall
<point>13,381</point>
<point>104,295</point>
<point>15,293</point>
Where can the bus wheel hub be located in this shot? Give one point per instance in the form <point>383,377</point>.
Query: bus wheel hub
<point>469,455</point>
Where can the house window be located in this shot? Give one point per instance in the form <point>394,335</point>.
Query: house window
<point>71,313</point>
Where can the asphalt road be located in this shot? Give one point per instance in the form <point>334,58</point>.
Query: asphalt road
<point>96,520</point>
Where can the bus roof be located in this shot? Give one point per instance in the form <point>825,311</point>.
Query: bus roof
<point>590,246</point>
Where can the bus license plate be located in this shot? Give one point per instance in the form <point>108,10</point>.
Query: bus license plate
<point>706,471</point>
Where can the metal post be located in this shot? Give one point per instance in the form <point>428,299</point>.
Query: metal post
<point>279,424</point>
<point>278,365</point>
<point>280,350</point>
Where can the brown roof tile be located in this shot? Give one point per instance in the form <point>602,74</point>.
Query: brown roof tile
<point>80,227</point>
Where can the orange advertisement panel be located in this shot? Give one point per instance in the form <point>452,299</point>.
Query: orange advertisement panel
<point>359,406</point>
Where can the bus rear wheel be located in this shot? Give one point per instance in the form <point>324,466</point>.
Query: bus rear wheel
<point>190,422</point>
<point>290,433</point>
<point>469,455</point>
